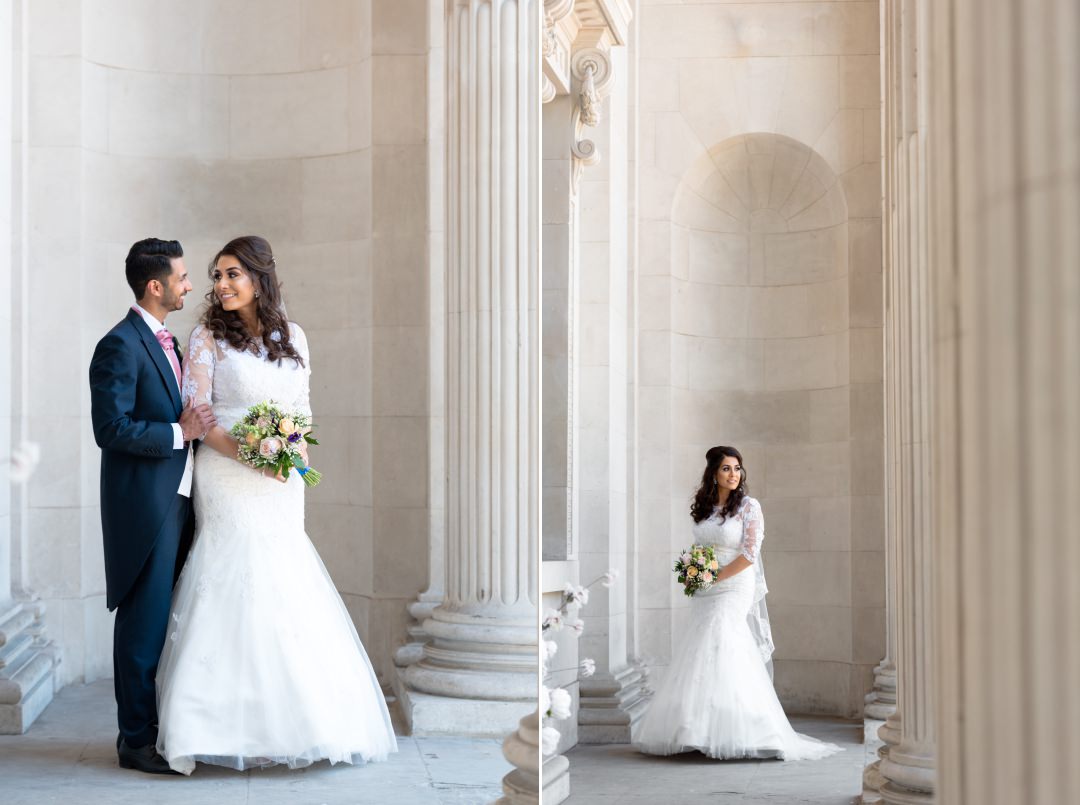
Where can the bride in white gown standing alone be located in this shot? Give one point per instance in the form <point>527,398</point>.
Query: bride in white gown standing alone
<point>262,663</point>
<point>717,696</point>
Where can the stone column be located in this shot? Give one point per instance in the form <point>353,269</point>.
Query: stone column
<point>28,658</point>
<point>908,764</point>
<point>477,674</point>
<point>881,701</point>
<point>614,697</point>
<point>1006,305</point>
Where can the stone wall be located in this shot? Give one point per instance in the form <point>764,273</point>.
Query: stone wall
<point>201,121</point>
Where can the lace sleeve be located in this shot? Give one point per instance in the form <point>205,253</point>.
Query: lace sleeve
<point>299,340</point>
<point>753,529</point>
<point>199,363</point>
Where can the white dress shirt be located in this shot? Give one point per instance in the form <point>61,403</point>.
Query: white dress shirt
<point>178,433</point>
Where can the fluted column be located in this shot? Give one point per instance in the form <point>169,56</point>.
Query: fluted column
<point>478,672</point>
<point>1006,302</point>
<point>881,702</point>
<point>908,765</point>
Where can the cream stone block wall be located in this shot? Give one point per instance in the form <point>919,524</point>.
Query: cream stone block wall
<point>246,118</point>
<point>401,217</point>
<point>760,288</point>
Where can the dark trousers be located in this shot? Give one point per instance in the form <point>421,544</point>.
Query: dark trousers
<point>142,620</point>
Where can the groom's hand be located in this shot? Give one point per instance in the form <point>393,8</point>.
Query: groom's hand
<point>196,421</point>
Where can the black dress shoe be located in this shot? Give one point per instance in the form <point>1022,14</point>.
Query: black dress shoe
<point>145,758</point>
<point>120,737</point>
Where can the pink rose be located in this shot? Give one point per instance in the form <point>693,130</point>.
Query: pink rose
<point>269,447</point>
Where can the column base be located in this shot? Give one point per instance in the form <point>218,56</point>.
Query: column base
<point>874,750</point>
<point>556,779</point>
<point>428,714</point>
<point>881,701</point>
<point>476,675</point>
<point>610,705</point>
<point>28,664</point>
<point>415,636</point>
<point>910,777</point>
<point>892,794</point>
<point>889,732</point>
<point>522,748</point>
<point>873,781</point>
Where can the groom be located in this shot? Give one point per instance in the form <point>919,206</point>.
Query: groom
<point>146,463</point>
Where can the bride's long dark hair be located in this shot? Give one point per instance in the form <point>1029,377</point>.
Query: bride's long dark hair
<point>257,258</point>
<point>708,494</point>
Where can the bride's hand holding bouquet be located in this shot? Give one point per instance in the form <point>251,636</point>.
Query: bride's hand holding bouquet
<point>275,441</point>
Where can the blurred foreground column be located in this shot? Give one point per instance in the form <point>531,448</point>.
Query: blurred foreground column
<point>1005,248</point>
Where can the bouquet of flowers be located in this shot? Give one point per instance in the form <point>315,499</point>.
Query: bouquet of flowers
<point>271,437</point>
<point>694,568</point>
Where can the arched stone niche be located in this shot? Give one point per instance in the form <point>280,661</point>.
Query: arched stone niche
<point>759,358</point>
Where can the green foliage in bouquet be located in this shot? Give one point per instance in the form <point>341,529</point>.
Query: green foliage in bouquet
<point>271,437</point>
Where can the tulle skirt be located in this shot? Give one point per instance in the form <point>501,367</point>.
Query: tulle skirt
<point>718,697</point>
<point>262,663</point>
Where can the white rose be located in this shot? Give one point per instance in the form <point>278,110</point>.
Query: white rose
<point>588,667</point>
<point>549,740</point>
<point>553,619</point>
<point>545,700</point>
<point>576,593</point>
<point>549,649</point>
<point>561,704</point>
<point>610,577</point>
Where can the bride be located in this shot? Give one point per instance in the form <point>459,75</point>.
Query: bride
<point>262,664</point>
<point>717,696</point>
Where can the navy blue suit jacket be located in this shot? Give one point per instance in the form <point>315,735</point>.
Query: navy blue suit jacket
<point>133,403</point>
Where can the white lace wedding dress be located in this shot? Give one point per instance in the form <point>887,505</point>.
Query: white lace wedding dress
<point>262,663</point>
<point>717,696</point>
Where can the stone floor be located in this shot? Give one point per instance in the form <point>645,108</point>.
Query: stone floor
<point>615,773</point>
<point>69,756</point>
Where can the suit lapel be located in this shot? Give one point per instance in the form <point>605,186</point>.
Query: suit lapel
<point>157,355</point>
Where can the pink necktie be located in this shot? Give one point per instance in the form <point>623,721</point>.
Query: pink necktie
<point>165,338</point>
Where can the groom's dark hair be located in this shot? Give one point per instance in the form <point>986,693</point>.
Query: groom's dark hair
<point>150,259</point>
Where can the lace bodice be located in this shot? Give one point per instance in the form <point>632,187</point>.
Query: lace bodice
<point>744,531</point>
<point>232,381</point>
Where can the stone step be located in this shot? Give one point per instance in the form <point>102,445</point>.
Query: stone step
<point>14,621</point>
<point>14,688</point>
<point>14,654</point>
